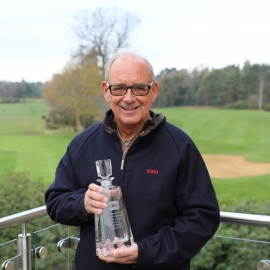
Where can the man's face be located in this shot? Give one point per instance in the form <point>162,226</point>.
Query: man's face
<point>130,111</point>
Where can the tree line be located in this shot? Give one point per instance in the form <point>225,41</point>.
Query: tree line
<point>11,92</point>
<point>231,87</point>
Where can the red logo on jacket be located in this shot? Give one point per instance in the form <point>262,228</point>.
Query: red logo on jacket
<point>151,171</point>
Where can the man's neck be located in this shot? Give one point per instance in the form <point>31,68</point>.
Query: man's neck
<point>128,133</point>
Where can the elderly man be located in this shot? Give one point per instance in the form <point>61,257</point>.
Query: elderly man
<point>169,198</point>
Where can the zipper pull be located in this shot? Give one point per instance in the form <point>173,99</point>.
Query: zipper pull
<point>122,164</point>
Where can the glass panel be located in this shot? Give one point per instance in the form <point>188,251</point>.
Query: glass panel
<point>74,233</point>
<point>224,252</point>
<point>50,237</point>
<point>8,250</point>
<point>8,243</point>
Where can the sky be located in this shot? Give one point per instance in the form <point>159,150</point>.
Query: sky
<point>37,36</point>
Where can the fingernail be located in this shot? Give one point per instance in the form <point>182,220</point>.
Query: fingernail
<point>104,205</point>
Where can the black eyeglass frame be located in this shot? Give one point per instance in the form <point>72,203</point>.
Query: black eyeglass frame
<point>130,87</point>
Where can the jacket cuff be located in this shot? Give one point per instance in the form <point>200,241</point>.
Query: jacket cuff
<point>82,214</point>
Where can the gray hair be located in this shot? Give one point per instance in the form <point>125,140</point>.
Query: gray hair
<point>122,52</point>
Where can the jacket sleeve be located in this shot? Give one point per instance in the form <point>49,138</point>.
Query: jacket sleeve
<point>197,221</point>
<point>64,200</point>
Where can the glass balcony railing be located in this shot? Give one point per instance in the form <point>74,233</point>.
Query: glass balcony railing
<point>54,245</point>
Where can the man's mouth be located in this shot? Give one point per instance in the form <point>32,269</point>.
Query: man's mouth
<point>130,109</point>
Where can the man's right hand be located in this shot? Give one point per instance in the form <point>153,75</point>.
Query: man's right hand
<point>94,201</point>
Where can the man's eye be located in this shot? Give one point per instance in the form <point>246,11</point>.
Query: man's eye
<point>139,88</point>
<point>119,88</point>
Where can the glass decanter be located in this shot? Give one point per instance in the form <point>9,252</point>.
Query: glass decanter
<point>112,225</point>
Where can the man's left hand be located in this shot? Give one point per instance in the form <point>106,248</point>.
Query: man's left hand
<point>122,255</point>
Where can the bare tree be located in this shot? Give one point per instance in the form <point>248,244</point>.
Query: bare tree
<point>105,31</point>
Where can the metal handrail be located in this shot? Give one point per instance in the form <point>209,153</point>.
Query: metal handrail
<point>23,217</point>
<point>245,219</point>
<point>228,217</point>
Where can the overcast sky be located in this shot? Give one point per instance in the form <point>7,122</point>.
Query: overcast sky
<point>37,39</point>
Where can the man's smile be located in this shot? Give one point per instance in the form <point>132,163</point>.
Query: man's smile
<point>129,109</point>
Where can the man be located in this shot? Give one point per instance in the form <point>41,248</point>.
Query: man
<point>169,198</point>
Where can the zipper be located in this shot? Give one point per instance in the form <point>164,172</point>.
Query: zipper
<point>123,161</point>
<point>125,153</point>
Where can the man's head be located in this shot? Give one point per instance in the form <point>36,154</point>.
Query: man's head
<point>130,106</point>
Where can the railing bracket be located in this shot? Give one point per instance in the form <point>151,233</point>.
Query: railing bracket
<point>69,242</point>
<point>11,264</point>
<point>263,265</point>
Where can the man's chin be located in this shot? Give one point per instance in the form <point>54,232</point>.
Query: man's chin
<point>130,121</point>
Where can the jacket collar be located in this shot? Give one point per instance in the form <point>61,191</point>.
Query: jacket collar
<point>154,121</point>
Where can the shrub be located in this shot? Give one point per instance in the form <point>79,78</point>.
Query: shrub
<point>18,193</point>
<point>236,252</point>
<point>266,106</point>
<point>242,104</point>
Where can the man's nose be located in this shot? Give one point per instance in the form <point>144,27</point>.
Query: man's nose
<point>129,95</point>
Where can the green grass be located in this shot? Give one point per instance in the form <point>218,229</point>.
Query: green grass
<point>23,119</point>
<point>27,146</point>
<point>242,189</point>
<point>230,132</point>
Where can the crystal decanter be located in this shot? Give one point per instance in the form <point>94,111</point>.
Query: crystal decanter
<point>112,225</point>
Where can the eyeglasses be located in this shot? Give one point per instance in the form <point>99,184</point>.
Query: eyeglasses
<point>136,89</point>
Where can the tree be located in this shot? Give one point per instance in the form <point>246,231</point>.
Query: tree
<point>263,85</point>
<point>176,88</point>
<point>75,94</point>
<point>204,94</point>
<point>230,83</point>
<point>104,31</point>
<point>9,92</point>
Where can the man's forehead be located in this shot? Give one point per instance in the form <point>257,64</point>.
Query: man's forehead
<point>132,67</point>
<point>129,58</point>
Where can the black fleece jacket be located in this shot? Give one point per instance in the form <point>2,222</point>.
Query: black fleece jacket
<point>168,194</point>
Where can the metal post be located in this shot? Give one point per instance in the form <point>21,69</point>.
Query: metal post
<point>24,249</point>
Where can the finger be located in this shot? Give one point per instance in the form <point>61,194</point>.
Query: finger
<point>96,196</point>
<point>130,252</point>
<point>94,187</point>
<point>107,257</point>
<point>110,247</point>
<point>94,202</point>
<point>95,193</point>
<point>120,245</point>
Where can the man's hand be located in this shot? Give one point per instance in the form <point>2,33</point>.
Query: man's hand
<point>94,201</point>
<point>122,255</point>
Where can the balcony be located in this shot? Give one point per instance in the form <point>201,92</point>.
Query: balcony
<point>54,246</point>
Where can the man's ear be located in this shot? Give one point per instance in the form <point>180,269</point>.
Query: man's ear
<point>154,91</point>
<point>105,91</point>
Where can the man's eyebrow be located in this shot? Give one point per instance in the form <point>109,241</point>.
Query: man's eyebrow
<point>120,83</point>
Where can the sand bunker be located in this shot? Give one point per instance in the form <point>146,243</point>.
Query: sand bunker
<point>226,167</point>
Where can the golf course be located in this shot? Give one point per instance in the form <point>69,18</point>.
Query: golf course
<point>235,144</point>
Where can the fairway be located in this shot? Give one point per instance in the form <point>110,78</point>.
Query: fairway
<point>220,131</point>
<point>27,146</point>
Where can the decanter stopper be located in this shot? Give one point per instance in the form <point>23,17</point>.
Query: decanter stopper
<point>104,168</point>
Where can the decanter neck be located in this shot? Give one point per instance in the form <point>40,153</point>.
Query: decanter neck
<point>105,182</point>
